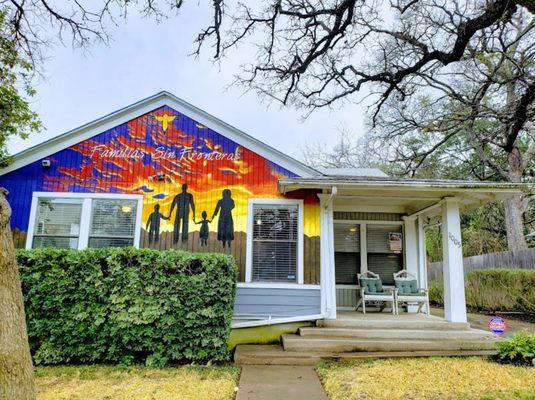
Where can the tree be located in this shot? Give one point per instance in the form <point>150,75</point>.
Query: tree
<point>16,119</point>
<point>469,116</point>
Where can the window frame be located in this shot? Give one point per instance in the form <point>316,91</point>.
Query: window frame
<point>85,219</point>
<point>249,243</point>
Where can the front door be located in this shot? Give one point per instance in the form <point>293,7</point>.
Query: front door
<point>346,263</point>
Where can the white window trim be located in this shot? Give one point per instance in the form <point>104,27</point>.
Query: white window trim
<point>83,238</point>
<point>300,238</point>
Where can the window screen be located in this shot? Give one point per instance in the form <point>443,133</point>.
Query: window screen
<point>275,237</point>
<point>113,223</point>
<point>57,223</point>
<point>346,253</point>
<point>383,259</point>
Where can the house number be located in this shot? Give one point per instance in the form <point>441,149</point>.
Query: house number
<point>454,240</point>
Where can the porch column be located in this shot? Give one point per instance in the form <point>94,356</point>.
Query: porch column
<point>327,279</point>
<point>422,253</point>
<point>452,257</point>
<point>411,253</point>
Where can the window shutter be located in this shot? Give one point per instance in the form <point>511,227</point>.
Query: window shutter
<point>275,240</point>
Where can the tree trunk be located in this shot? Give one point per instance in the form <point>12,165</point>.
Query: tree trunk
<point>514,223</point>
<point>16,369</point>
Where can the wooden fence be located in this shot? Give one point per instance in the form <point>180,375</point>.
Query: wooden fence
<point>508,259</point>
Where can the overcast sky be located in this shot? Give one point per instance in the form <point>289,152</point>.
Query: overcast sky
<point>144,58</point>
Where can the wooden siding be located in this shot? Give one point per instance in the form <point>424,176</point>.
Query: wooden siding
<point>277,302</point>
<point>128,158</point>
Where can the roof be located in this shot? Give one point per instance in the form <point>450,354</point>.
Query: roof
<point>401,194</point>
<point>353,172</point>
<point>144,106</point>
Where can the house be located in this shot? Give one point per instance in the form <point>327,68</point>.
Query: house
<point>164,174</point>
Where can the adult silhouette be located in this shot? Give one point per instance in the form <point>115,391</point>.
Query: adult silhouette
<point>183,202</point>
<point>225,224</point>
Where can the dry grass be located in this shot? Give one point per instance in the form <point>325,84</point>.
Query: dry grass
<point>115,383</point>
<point>432,378</point>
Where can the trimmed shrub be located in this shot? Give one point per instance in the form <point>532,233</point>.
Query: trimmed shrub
<point>519,349</point>
<point>126,305</point>
<point>494,290</point>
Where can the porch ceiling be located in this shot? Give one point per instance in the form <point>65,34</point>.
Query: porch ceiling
<point>403,195</point>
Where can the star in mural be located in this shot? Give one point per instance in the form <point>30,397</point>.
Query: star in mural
<point>165,120</point>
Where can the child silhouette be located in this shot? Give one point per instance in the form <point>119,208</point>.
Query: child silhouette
<point>204,232</point>
<point>153,224</point>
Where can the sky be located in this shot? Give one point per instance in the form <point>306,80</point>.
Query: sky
<point>145,57</point>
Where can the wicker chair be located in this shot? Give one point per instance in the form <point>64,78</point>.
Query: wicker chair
<point>371,290</point>
<point>408,291</point>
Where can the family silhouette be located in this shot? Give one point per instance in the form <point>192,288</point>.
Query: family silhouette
<point>182,204</point>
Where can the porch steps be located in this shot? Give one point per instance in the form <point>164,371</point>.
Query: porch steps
<point>419,334</point>
<point>352,344</point>
<point>275,355</point>
<point>355,336</point>
<point>376,322</point>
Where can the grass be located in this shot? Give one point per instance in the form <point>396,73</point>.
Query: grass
<point>140,383</point>
<point>430,378</point>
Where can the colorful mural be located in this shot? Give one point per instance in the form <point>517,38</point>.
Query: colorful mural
<point>195,182</point>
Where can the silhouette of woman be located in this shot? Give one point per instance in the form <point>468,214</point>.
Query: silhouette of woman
<point>225,224</point>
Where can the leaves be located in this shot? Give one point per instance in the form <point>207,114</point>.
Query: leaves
<point>149,307</point>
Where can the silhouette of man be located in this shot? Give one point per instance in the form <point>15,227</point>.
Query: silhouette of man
<point>183,202</point>
<point>153,224</point>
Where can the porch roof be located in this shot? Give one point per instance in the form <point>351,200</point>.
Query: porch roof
<point>403,195</point>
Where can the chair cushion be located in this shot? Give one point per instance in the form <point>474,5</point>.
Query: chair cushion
<point>407,286</point>
<point>371,285</point>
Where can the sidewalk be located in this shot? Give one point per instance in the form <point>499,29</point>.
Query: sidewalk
<point>274,382</point>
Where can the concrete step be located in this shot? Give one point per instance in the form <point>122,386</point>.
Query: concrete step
<point>275,355</point>
<point>427,334</point>
<point>393,323</point>
<point>342,344</point>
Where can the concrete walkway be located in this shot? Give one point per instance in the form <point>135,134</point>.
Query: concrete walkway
<point>273,382</point>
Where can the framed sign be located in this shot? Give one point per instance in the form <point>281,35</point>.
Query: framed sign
<point>395,240</point>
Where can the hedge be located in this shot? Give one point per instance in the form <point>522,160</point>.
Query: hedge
<point>127,305</point>
<point>494,290</point>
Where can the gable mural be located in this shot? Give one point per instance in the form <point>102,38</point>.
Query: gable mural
<point>195,183</point>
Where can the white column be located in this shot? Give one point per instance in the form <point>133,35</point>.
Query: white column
<point>327,278</point>
<point>411,253</point>
<point>452,256</point>
<point>422,253</point>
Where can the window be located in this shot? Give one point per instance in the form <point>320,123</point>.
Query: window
<point>275,244</point>
<point>77,221</point>
<point>57,223</point>
<point>113,223</point>
<point>383,257</point>
<point>346,253</point>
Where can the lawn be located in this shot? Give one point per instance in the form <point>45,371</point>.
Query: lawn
<point>430,378</point>
<point>121,383</point>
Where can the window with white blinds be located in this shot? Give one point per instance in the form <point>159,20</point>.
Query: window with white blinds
<point>346,253</point>
<point>382,258</point>
<point>57,223</point>
<point>275,242</point>
<point>113,223</point>
<point>78,220</point>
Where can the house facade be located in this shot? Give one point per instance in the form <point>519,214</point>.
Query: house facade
<point>164,174</point>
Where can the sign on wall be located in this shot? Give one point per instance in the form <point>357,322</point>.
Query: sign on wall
<point>395,240</point>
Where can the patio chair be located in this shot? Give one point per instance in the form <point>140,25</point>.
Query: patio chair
<point>371,290</point>
<point>408,291</point>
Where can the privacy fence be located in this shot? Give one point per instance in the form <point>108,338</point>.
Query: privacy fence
<point>524,259</point>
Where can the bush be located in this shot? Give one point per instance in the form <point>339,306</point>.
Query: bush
<point>125,305</point>
<point>518,349</point>
<point>494,290</point>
